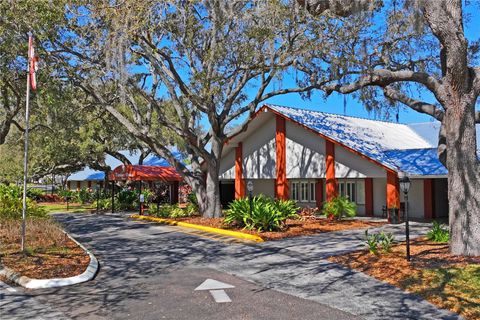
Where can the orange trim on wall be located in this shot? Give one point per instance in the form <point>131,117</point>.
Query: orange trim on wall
<point>239,181</point>
<point>369,197</point>
<point>393,190</point>
<point>281,183</point>
<point>326,138</point>
<point>331,182</point>
<point>78,185</point>
<point>428,203</point>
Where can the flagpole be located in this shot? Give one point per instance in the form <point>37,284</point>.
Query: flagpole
<point>25,160</point>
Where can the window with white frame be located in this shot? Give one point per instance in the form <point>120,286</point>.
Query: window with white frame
<point>303,191</point>
<point>353,190</point>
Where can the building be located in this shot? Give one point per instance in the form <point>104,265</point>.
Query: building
<point>88,178</point>
<point>311,156</point>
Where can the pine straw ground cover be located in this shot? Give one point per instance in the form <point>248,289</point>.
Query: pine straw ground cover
<point>49,252</point>
<point>306,225</point>
<point>448,281</point>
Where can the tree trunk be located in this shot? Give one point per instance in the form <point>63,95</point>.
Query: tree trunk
<point>463,178</point>
<point>208,193</point>
<point>213,193</point>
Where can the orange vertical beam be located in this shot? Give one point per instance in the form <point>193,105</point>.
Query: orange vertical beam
<point>239,181</point>
<point>428,199</point>
<point>369,197</point>
<point>281,184</point>
<point>331,182</point>
<point>319,192</point>
<point>68,185</point>
<point>393,190</point>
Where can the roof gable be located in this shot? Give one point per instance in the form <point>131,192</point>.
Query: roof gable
<point>396,146</point>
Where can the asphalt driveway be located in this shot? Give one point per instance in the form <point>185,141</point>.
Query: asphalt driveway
<point>150,271</point>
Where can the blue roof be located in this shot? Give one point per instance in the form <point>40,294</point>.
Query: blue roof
<point>399,147</point>
<point>89,174</point>
<point>422,162</point>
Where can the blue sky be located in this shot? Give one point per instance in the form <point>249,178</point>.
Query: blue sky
<point>335,103</point>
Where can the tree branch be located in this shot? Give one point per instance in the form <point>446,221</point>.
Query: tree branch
<point>384,77</point>
<point>416,105</point>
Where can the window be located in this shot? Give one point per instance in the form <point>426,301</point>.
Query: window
<point>312,192</point>
<point>360,192</point>
<point>351,194</point>
<point>304,195</point>
<point>353,190</point>
<point>303,191</point>
<point>347,189</point>
<point>295,191</point>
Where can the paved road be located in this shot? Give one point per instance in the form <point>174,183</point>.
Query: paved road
<point>150,271</point>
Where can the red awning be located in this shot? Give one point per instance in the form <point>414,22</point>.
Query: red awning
<point>144,173</point>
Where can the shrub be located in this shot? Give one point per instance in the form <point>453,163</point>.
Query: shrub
<point>191,209</point>
<point>103,204</point>
<point>192,198</point>
<point>266,214</point>
<point>127,200</point>
<point>85,195</point>
<point>34,193</point>
<point>339,207</point>
<point>11,204</point>
<point>372,242</point>
<point>439,233</point>
<point>157,211</point>
<point>171,211</point>
<point>71,195</point>
<point>385,240</point>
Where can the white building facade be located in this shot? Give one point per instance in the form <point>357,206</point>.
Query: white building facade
<point>312,157</point>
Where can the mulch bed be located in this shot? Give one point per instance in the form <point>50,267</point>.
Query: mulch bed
<point>68,261</point>
<point>414,276</point>
<point>307,225</point>
<point>49,252</point>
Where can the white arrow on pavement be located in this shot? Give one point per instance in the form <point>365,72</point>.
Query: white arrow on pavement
<point>216,290</point>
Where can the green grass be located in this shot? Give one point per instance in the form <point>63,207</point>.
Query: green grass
<point>62,207</point>
<point>456,288</point>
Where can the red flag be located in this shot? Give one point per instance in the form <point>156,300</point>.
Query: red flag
<point>32,59</point>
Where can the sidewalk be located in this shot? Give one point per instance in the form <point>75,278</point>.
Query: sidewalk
<point>298,266</point>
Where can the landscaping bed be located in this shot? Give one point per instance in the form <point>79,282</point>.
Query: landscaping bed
<point>448,281</point>
<point>50,253</point>
<point>60,207</point>
<point>293,227</point>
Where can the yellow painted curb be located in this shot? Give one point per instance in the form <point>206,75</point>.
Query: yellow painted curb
<point>230,233</point>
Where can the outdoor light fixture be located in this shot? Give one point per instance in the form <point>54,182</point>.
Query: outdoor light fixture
<point>404,181</point>
<point>250,186</point>
<point>250,197</point>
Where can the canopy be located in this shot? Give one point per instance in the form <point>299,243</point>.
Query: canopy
<point>144,173</point>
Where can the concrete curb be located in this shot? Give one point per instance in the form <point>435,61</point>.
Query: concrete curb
<point>235,234</point>
<point>30,283</point>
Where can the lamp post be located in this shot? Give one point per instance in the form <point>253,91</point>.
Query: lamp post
<point>404,181</point>
<point>97,188</point>
<point>250,191</point>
